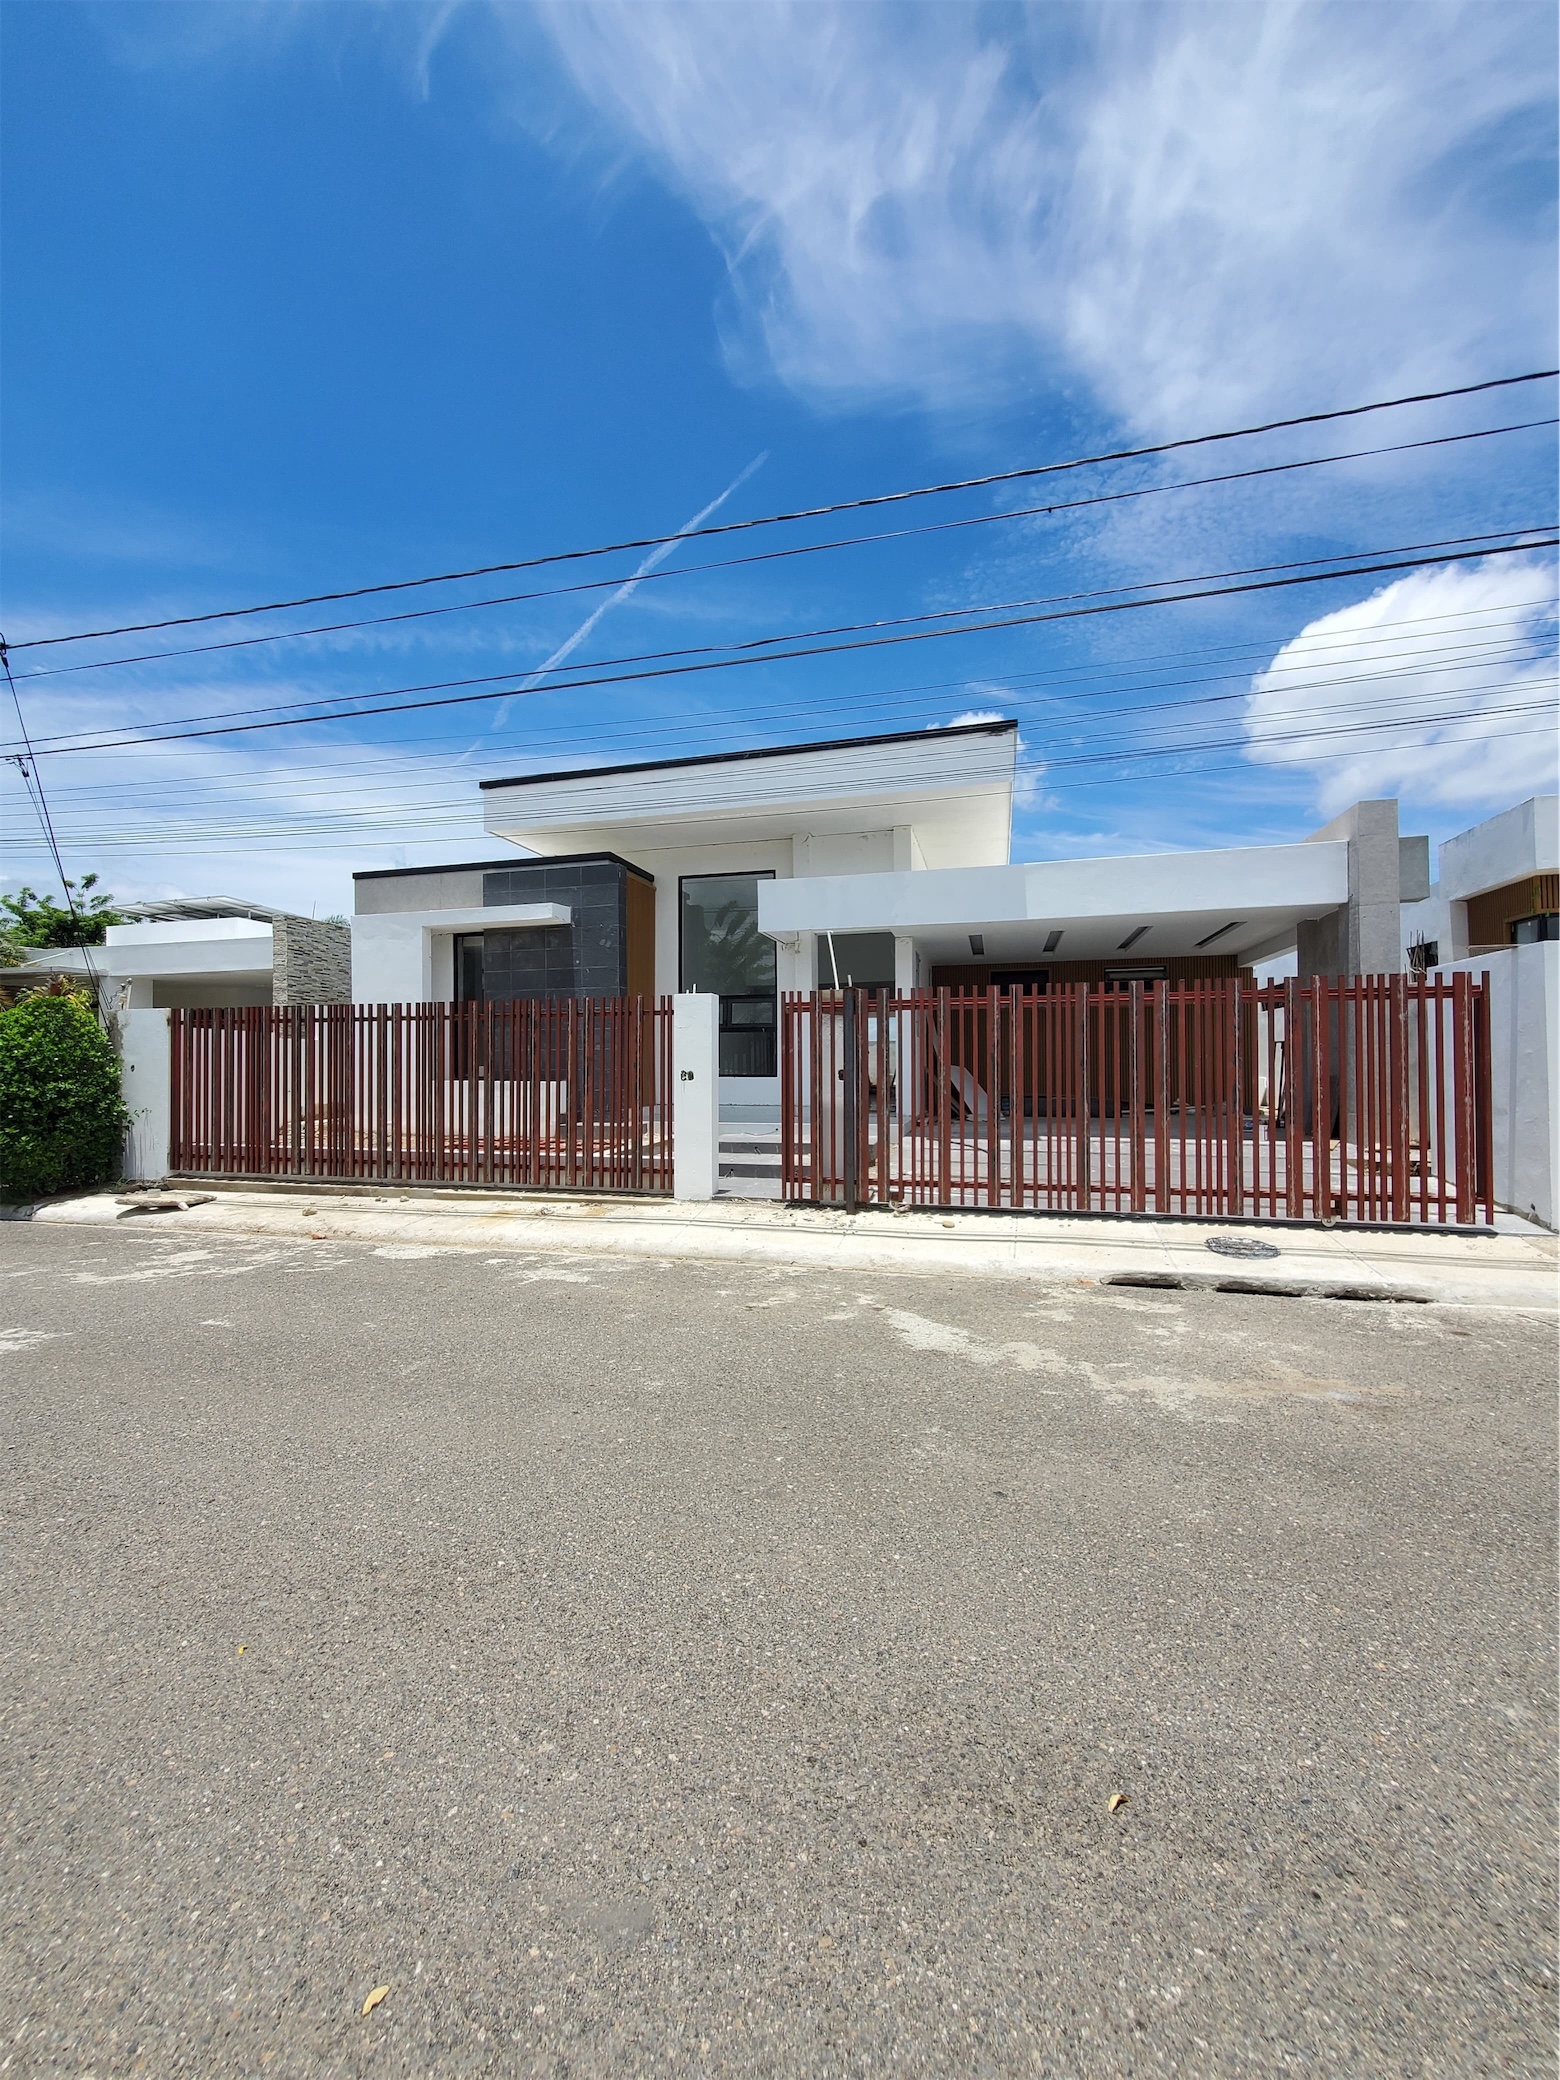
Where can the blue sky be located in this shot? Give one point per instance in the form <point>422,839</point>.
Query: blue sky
<point>306,297</point>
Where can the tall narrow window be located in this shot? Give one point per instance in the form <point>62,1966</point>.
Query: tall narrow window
<point>724,953</point>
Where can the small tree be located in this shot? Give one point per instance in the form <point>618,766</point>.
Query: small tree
<point>34,920</point>
<point>62,1119</point>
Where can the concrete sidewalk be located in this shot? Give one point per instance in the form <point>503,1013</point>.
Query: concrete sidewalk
<point>1505,1270</point>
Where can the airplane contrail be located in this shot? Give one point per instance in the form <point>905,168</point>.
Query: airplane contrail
<point>657,556</point>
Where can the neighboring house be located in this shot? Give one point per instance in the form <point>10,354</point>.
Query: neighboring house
<point>1495,910</point>
<point>882,861</point>
<point>1498,885</point>
<point>203,953</point>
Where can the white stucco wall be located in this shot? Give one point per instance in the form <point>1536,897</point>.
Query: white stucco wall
<point>1525,1073</point>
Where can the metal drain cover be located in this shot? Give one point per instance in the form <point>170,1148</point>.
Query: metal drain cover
<point>1240,1246</point>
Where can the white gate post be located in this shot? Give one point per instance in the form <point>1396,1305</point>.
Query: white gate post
<point>145,1081</point>
<point>695,1096</point>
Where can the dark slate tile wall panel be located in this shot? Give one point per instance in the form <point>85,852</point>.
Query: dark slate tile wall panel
<point>588,958</point>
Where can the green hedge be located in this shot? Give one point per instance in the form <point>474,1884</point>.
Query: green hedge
<point>62,1119</point>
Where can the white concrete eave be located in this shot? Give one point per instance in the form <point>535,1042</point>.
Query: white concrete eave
<point>246,959</point>
<point>475,917</point>
<point>1235,901</point>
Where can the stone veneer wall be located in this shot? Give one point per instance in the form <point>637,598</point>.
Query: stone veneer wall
<point>311,961</point>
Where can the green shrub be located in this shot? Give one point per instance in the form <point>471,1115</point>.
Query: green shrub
<point>62,1119</point>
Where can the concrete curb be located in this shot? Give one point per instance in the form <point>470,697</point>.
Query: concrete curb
<point>1490,1271</point>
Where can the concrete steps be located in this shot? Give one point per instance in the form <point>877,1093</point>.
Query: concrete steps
<point>750,1159</point>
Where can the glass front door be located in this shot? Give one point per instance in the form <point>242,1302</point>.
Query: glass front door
<point>724,953</point>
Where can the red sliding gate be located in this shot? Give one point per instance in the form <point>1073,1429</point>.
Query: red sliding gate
<point>1360,1100</point>
<point>569,1094</point>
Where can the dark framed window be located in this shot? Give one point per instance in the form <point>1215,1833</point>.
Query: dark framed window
<point>1532,931</point>
<point>722,952</point>
<point>470,987</point>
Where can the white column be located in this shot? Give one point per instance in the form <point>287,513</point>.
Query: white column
<point>695,1096</point>
<point>145,1072</point>
<point>904,965</point>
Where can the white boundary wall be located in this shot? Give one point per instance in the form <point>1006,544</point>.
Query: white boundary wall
<point>695,1096</point>
<point>145,1071</point>
<point>1525,1073</point>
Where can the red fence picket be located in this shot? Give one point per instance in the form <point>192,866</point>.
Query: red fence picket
<point>1359,1100</point>
<point>562,1094</point>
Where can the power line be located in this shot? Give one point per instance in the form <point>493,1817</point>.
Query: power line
<point>851,505</point>
<point>27,766</point>
<point>1482,659</point>
<point>102,740</point>
<point>1389,639</point>
<point>280,719</point>
<point>509,599</point>
<point>1431,713</point>
<point>1357,649</point>
<point>255,836</point>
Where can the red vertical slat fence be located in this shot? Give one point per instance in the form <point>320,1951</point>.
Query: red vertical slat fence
<point>1362,1100</point>
<point>563,1094</point>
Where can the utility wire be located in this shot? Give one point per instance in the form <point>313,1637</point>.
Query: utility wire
<point>281,719</point>
<point>27,766</point>
<point>1400,638</point>
<point>291,841</point>
<point>851,505</point>
<point>687,570</point>
<point>1442,664</point>
<point>1358,648</point>
<point>556,674</point>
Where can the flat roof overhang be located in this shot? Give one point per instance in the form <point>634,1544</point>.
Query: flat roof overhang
<point>1246,902</point>
<point>246,959</point>
<point>953,787</point>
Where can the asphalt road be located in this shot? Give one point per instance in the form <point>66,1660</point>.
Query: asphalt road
<point>708,1669</point>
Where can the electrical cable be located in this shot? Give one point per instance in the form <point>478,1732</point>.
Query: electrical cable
<point>284,720</point>
<point>1358,647</point>
<point>256,840</point>
<point>1440,664</point>
<point>585,798</point>
<point>560,674</point>
<point>325,628</point>
<point>805,513</point>
<point>27,766</point>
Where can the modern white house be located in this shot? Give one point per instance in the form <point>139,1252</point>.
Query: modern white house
<point>879,861</point>
<point>204,953</point>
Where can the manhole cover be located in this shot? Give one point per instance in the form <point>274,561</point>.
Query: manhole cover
<point>1240,1246</point>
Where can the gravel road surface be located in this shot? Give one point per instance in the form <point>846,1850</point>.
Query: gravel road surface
<point>703,1669</point>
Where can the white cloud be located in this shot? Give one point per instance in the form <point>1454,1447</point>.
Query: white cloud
<point>1203,209</point>
<point>1455,664</point>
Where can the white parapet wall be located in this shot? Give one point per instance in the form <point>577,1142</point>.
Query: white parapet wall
<point>695,1096</point>
<point>406,956</point>
<point>145,1071</point>
<point>1524,1073</point>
